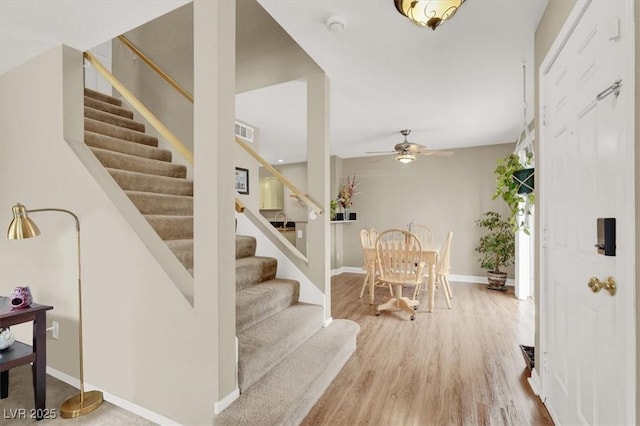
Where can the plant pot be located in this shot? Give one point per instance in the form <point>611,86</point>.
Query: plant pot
<point>525,180</point>
<point>497,280</point>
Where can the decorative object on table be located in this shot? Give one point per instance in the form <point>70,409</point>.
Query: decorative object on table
<point>242,180</point>
<point>515,174</point>
<point>352,216</point>
<point>428,13</point>
<point>339,216</point>
<point>497,247</point>
<point>21,297</point>
<point>346,194</point>
<point>6,338</point>
<point>22,227</point>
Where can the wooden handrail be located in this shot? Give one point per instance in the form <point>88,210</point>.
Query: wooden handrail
<point>297,192</point>
<point>152,119</point>
<point>239,206</point>
<point>156,68</point>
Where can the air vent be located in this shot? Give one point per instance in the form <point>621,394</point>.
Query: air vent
<point>245,132</point>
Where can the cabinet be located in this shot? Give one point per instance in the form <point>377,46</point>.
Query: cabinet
<point>271,194</point>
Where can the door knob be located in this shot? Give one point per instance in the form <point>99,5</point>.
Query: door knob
<point>609,285</point>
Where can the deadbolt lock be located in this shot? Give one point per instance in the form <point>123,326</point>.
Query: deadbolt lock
<point>609,285</point>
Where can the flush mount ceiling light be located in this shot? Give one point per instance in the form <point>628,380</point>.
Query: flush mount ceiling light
<point>405,157</point>
<point>428,13</point>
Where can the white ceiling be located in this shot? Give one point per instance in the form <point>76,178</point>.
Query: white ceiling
<point>458,86</point>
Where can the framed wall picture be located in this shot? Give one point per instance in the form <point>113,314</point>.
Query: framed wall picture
<point>242,180</point>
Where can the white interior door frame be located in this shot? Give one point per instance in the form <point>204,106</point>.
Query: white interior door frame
<point>539,380</point>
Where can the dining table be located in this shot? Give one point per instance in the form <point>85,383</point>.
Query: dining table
<point>429,255</point>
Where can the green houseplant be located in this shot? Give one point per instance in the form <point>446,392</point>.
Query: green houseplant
<point>333,206</point>
<point>497,247</point>
<point>518,196</point>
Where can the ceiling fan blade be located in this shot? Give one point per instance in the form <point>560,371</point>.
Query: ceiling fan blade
<point>434,153</point>
<point>380,152</point>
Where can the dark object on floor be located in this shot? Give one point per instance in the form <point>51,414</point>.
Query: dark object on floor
<point>529,354</point>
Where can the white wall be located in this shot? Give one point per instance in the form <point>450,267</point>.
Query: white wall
<point>143,341</point>
<point>444,193</point>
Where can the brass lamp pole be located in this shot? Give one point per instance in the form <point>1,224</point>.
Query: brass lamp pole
<point>22,227</point>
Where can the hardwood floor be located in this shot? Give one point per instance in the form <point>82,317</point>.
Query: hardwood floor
<point>452,367</point>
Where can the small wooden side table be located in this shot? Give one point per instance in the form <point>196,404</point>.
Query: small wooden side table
<point>21,354</point>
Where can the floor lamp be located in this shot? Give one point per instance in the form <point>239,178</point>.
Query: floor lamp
<point>22,227</point>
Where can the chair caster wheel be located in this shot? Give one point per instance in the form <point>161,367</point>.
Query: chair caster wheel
<point>413,317</point>
<point>377,313</point>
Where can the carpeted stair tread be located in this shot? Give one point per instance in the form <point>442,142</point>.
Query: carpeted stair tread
<point>183,249</point>
<point>172,227</point>
<point>102,97</point>
<point>264,345</point>
<point>96,140</point>
<point>151,203</point>
<point>245,246</point>
<point>116,120</point>
<point>118,160</point>
<point>119,132</point>
<point>108,107</point>
<point>143,182</point>
<point>258,302</point>
<point>285,395</point>
<point>253,270</point>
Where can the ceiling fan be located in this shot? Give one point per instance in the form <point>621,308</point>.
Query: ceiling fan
<point>405,152</point>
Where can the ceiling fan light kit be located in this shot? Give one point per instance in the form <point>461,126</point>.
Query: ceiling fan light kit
<point>428,13</point>
<point>405,157</point>
<point>405,152</point>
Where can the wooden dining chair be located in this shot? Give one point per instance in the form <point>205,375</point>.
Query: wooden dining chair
<point>442,271</point>
<point>368,239</point>
<point>400,263</point>
<point>424,234</point>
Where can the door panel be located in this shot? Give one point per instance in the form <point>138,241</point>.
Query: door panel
<point>587,155</point>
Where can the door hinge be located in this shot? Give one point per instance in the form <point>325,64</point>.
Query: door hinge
<point>544,115</point>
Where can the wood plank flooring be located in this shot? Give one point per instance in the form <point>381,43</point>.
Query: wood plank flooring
<point>451,367</point>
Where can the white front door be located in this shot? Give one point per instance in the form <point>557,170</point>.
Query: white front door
<point>587,364</point>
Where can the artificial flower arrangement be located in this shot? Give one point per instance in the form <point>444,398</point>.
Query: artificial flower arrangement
<point>347,192</point>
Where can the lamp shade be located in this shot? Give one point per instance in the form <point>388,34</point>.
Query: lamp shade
<point>428,13</point>
<point>21,226</point>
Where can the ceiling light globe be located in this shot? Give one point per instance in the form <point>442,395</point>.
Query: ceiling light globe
<point>405,158</point>
<point>428,13</point>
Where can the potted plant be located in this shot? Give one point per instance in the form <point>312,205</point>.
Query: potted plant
<point>514,184</point>
<point>333,206</point>
<point>497,247</point>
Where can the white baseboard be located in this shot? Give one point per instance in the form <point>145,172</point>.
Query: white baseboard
<point>534,383</point>
<point>452,277</point>
<point>115,400</point>
<point>327,322</point>
<point>218,406</point>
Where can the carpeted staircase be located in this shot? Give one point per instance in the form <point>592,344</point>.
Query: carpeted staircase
<point>155,185</point>
<point>286,358</point>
